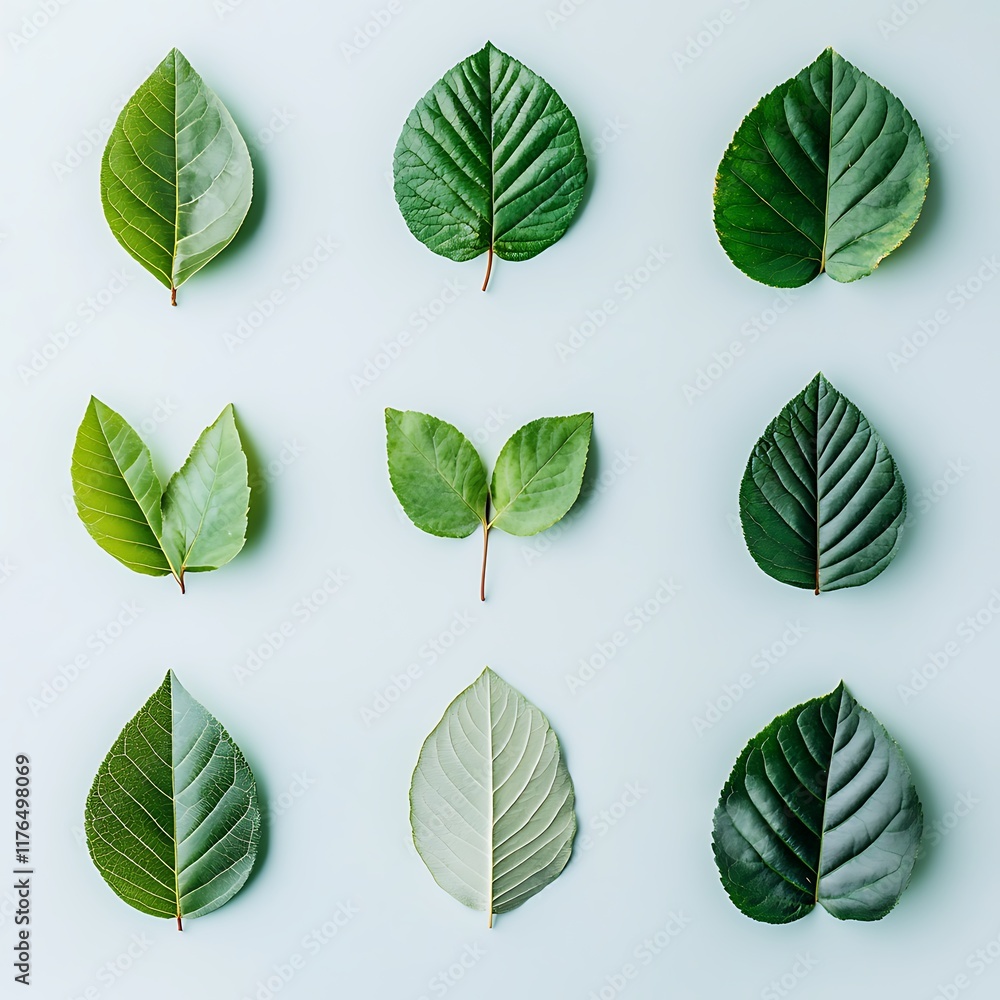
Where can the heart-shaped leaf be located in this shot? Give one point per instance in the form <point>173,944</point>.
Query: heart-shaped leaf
<point>822,502</point>
<point>176,178</point>
<point>489,161</point>
<point>820,808</point>
<point>172,819</point>
<point>439,478</point>
<point>827,173</point>
<point>199,523</point>
<point>491,801</point>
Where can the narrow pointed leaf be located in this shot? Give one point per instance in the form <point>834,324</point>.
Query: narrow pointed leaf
<point>176,178</point>
<point>172,819</point>
<point>116,490</point>
<point>205,503</point>
<point>539,473</point>
<point>436,474</point>
<point>490,159</point>
<point>822,502</point>
<point>820,808</point>
<point>828,172</point>
<point>491,800</point>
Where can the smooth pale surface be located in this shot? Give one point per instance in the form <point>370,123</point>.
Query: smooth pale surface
<point>819,808</point>
<point>172,818</point>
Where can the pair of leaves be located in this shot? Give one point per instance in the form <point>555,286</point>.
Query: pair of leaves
<point>490,160</point>
<point>439,478</point>
<point>827,173</point>
<point>197,523</point>
<point>820,808</point>
<point>491,800</point>
<point>822,502</point>
<point>176,178</point>
<point>172,819</point>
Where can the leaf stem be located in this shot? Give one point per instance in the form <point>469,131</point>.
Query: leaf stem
<point>180,580</point>
<point>482,576</point>
<point>489,267</point>
<point>490,924</point>
<point>179,927</point>
<point>173,295</point>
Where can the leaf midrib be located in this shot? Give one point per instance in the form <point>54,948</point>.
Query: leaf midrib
<point>826,793</point>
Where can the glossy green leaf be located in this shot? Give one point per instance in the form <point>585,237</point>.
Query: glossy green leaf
<point>172,819</point>
<point>199,522</point>
<point>827,173</point>
<point>176,178</point>
<point>440,480</point>
<point>491,800</point>
<point>489,161</point>
<point>822,502</point>
<point>820,808</point>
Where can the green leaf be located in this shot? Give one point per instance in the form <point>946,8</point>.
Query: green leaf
<point>490,160</point>
<point>436,473</point>
<point>176,178</point>
<point>491,800</point>
<point>820,808</point>
<point>828,172</point>
<point>172,819</point>
<point>205,503</point>
<point>198,523</point>
<point>440,480</point>
<point>822,502</point>
<point>539,473</point>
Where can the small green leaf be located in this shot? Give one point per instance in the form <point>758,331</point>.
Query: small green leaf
<point>820,808</point>
<point>176,178</point>
<point>197,524</point>
<point>491,800</point>
<point>489,161</point>
<point>440,480</point>
<point>828,172</point>
<point>539,473</point>
<point>172,819</point>
<point>822,502</point>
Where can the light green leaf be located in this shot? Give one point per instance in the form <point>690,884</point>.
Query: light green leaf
<point>440,480</point>
<point>539,473</point>
<point>490,160</point>
<point>491,800</point>
<point>172,819</point>
<point>176,178</point>
<point>436,473</point>
<point>828,172</point>
<point>205,503</point>
<point>198,524</point>
<point>820,808</point>
<point>822,502</point>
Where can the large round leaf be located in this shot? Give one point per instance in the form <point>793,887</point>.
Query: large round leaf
<point>491,801</point>
<point>822,502</point>
<point>820,808</point>
<point>489,161</point>
<point>828,172</point>
<point>176,178</point>
<point>172,819</point>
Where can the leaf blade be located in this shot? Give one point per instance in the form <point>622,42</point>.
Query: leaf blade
<point>491,800</point>
<point>539,473</point>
